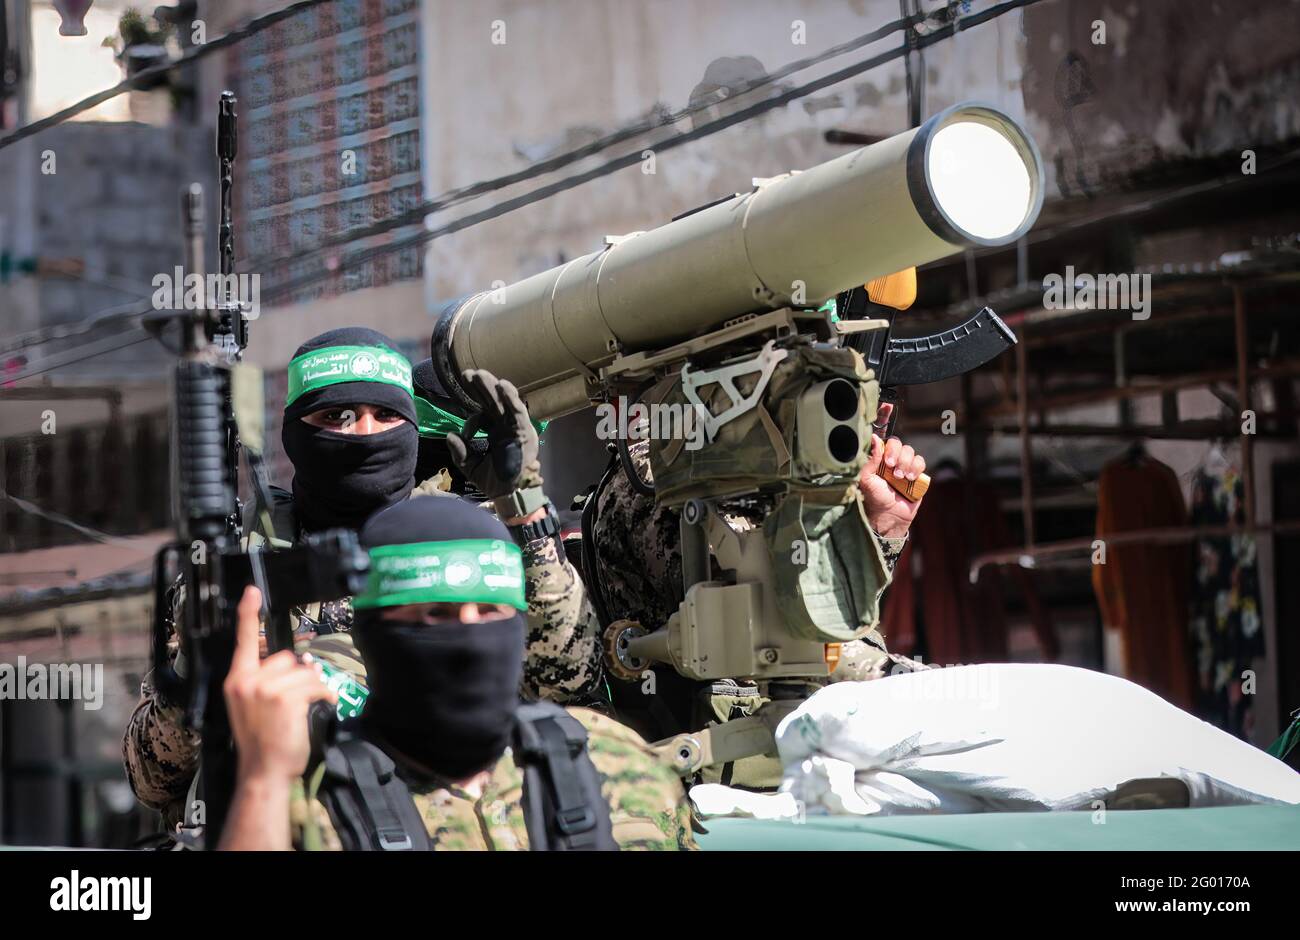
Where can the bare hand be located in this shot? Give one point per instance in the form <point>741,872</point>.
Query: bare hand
<point>268,700</point>
<point>889,512</point>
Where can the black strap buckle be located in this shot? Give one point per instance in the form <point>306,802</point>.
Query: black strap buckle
<point>394,840</point>
<point>383,817</point>
<point>575,820</point>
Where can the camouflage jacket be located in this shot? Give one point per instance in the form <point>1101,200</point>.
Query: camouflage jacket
<point>648,805</point>
<point>563,632</point>
<point>161,756</point>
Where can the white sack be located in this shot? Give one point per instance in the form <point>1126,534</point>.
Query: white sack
<point>1007,736</point>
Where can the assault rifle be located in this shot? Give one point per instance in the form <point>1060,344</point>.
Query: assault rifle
<point>199,578</point>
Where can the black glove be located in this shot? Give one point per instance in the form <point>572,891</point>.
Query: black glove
<point>510,462</point>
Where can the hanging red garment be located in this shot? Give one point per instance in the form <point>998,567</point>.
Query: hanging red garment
<point>1142,589</point>
<point>898,615</point>
<point>963,622</point>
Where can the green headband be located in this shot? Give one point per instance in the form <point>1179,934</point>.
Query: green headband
<point>335,364</point>
<point>484,571</point>
<point>436,422</point>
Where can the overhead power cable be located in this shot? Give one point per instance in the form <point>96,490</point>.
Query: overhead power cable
<point>104,317</point>
<point>34,510</point>
<point>456,196</point>
<point>126,312</point>
<point>78,354</point>
<point>635,157</point>
<point>145,76</point>
<point>631,131</point>
<point>604,169</point>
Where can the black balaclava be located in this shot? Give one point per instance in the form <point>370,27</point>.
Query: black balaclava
<point>442,694</point>
<point>341,479</point>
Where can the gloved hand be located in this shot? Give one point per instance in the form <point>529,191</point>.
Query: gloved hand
<point>511,461</point>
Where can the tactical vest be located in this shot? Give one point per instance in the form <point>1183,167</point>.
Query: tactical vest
<point>373,810</point>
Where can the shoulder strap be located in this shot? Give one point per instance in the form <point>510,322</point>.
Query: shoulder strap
<point>371,807</point>
<point>563,807</point>
<point>587,557</point>
<point>280,514</point>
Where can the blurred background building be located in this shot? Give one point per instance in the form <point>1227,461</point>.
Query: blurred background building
<point>375,132</point>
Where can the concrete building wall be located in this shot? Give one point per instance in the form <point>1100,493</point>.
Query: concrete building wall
<point>114,204</point>
<point>111,207</point>
<point>568,72</point>
<point>1171,81</point>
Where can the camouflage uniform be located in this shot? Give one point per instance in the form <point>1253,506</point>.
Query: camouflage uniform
<point>562,662</point>
<point>161,755</point>
<point>648,807</point>
<point>562,656</point>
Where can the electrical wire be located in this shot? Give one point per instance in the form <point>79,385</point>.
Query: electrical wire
<point>144,76</point>
<point>483,187</point>
<point>944,16</point>
<point>453,197</point>
<point>33,510</point>
<point>604,169</point>
<point>634,157</point>
<point>1039,236</point>
<point>120,311</point>
<point>77,328</point>
<point>46,365</point>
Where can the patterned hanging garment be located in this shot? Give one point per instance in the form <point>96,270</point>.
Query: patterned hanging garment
<point>1226,625</point>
